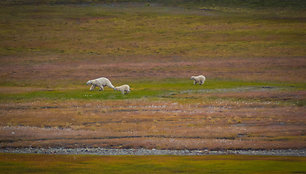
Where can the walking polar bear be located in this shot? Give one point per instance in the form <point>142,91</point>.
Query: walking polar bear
<point>101,83</point>
<point>200,79</point>
<point>125,89</point>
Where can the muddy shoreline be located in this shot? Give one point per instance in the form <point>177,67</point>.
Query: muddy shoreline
<point>111,152</point>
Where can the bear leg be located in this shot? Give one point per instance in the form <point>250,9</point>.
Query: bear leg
<point>92,87</point>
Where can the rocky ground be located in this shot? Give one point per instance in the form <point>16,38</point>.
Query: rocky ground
<point>104,151</point>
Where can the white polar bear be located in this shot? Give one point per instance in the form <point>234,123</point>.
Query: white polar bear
<point>100,82</point>
<point>198,79</point>
<point>125,89</point>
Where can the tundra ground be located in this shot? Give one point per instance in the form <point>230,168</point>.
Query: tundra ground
<point>254,62</point>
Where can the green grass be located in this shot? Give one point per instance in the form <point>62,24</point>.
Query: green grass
<point>30,163</point>
<point>146,89</point>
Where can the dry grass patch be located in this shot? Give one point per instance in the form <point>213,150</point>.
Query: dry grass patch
<point>152,124</point>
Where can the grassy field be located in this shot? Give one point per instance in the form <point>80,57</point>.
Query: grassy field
<point>174,114</point>
<point>104,31</point>
<point>25,163</point>
<point>146,89</point>
<point>252,53</point>
<point>253,58</point>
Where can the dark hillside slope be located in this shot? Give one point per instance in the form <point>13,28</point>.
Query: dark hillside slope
<point>297,4</point>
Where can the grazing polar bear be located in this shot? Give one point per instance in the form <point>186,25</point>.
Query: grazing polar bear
<point>198,79</point>
<point>125,89</point>
<point>100,82</point>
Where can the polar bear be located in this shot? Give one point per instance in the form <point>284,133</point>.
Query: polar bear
<point>125,89</point>
<point>100,82</point>
<point>198,79</point>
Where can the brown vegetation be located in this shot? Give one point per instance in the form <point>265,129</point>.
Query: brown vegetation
<point>255,69</point>
<point>58,48</point>
<point>169,124</point>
